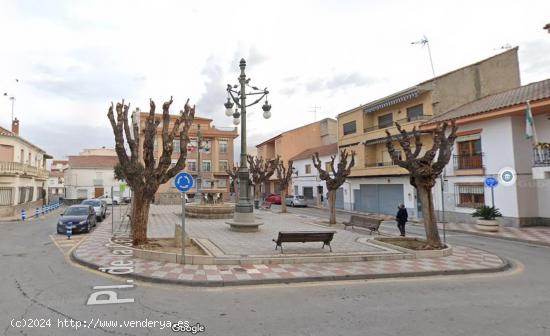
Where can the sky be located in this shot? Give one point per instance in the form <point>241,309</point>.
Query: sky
<point>73,58</point>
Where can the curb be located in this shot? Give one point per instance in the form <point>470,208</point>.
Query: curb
<point>506,264</point>
<point>480,234</point>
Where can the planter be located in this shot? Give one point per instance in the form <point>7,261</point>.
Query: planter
<point>487,225</point>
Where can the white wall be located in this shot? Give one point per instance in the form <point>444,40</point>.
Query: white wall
<point>83,179</point>
<point>310,180</point>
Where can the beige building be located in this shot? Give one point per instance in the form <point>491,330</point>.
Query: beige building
<point>56,179</point>
<point>216,156</point>
<point>376,184</point>
<point>23,173</point>
<point>290,143</point>
<point>98,152</point>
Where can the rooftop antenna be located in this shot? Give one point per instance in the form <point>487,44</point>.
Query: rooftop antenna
<point>314,111</point>
<point>424,42</point>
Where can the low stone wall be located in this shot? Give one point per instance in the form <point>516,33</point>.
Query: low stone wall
<point>15,210</point>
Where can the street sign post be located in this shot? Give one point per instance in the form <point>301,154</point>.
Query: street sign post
<point>491,182</point>
<point>183,182</point>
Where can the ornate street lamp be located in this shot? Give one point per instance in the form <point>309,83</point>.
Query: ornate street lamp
<point>244,219</point>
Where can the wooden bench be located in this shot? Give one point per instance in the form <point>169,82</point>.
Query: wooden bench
<point>370,223</point>
<point>304,237</point>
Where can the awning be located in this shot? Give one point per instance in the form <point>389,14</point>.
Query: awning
<point>393,99</point>
<point>379,140</point>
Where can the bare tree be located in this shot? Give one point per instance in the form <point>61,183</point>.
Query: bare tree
<point>233,173</point>
<point>424,169</point>
<point>285,177</point>
<point>338,177</point>
<point>260,171</point>
<point>145,176</point>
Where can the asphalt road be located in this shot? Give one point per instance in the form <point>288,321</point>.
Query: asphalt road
<point>40,285</point>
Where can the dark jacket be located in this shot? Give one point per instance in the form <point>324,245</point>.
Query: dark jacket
<point>402,215</point>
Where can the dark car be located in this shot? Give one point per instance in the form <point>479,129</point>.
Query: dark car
<point>81,217</point>
<point>273,199</point>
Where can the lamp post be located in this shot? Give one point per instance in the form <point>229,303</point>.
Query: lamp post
<point>244,219</point>
<point>198,196</point>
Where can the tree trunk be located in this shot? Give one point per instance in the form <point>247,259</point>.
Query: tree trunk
<point>283,200</point>
<point>140,217</point>
<point>428,213</point>
<point>257,193</point>
<point>332,206</point>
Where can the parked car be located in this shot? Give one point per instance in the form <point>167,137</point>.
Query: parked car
<point>295,200</point>
<point>82,218</point>
<point>99,206</point>
<point>126,200</point>
<point>273,199</point>
<point>110,200</point>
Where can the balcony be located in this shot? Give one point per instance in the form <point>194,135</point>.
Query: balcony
<point>379,164</point>
<point>20,169</point>
<point>468,164</point>
<point>541,163</point>
<point>400,121</point>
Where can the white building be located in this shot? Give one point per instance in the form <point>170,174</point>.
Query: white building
<point>492,136</point>
<point>90,176</point>
<point>56,179</point>
<point>22,172</point>
<point>306,181</point>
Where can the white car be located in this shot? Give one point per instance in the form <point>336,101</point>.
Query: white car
<point>295,200</point>
<point>109,200</point>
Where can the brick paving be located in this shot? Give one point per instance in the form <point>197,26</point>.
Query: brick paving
<point>94,253</point>
<point>539,234</point>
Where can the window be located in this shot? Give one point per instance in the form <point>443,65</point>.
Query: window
<point>469,155</point>
<point>207,184</point>
<point>223,165</point>
<point>6,195</point>
<point>349,127</point>
<point>191,165</point>
<point>308,169</point>
<point>22,157</point>
<point>31,194</point>
<point>222,183</point>
<point>470,195</point>
<point>192,146</point>
<point>223,146</point>
<point>385,120</point>
<point>176,145</point>
<point>206,146</point>
<point>328,167</point>
<point>415,112</point>
<point>206,166</point>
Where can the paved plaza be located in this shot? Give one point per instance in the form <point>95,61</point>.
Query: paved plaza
<point>94,252</point>
<point>230,243</point>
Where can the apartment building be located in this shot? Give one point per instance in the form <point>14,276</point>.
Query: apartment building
<point>492,136</point>
<point>290,143</point>
<point>215,154</point>
<point>56,179</point>
<point>376,184</point>
<point>23,172</point>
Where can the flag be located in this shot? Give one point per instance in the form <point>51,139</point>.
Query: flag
<point>530,132</point>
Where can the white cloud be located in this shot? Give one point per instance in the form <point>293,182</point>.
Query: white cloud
<point>74,57</point>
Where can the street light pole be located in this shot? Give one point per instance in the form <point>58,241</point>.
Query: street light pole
<point>244,219</point>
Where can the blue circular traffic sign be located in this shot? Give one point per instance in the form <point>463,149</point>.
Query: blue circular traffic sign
<point>183,181</point>
<point>491,182</point>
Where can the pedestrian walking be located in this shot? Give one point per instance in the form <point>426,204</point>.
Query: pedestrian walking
<point>401,218</point>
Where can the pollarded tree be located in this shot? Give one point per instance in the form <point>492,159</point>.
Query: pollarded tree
<point>145,176</point>
<point>233,173</point>
<point>338,177</point>
<point>260,171</point>
<point>424,169</point>
<point>284,174</point>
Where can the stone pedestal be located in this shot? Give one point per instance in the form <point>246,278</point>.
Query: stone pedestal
<point>244,222</point>
<point>177,236</point>
<point>487,225</point>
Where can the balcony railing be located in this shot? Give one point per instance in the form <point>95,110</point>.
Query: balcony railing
<point>541,156</point>
<point>468,161</point>
<point>400,121</point>
<point>18,168</point>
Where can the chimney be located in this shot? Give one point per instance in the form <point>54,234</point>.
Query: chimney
<point>15,126</point>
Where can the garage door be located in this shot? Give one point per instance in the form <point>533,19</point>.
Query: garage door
<point>308,192</point>
<point>379,198</point>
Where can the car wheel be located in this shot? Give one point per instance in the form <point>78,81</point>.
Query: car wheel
<point>59,232</point>
<point>87,227</point>
<point>292,204</point>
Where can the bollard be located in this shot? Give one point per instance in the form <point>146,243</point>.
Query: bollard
<point>23,214</point>
<point>69,227</point>
<point>36,212</point>
<point>44,210</point>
